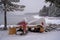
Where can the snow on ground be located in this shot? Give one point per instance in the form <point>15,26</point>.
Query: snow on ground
<point>53,35</point>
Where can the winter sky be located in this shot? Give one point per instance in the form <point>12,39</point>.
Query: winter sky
<point>33,6</point>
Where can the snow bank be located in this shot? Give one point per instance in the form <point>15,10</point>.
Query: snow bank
<point>53,35</point>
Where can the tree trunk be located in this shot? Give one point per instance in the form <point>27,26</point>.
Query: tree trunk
<point>5,20</point>
<point>5,17</point>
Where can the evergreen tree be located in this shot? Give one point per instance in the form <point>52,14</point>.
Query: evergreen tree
<point>56,2</point>
<point>9,6</point>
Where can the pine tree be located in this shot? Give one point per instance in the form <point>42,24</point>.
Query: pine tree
<point>9,6</point>
<point>56,2</point>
